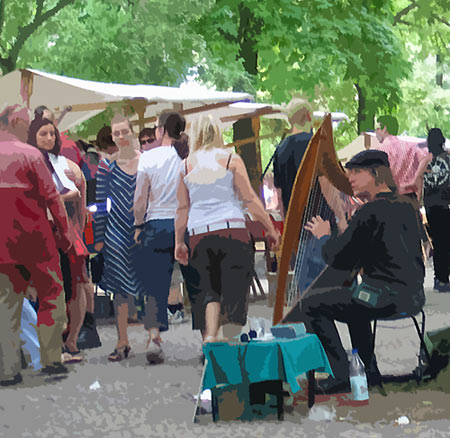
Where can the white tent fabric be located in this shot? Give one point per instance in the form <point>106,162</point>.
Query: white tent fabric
<point>57,92</point>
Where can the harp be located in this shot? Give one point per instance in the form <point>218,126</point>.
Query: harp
<point>321,188</point>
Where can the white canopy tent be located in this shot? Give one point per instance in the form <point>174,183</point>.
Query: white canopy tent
<point>88,98</point>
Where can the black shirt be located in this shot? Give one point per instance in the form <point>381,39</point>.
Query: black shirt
<point>436,182</point>
<point>286,162</point>
<point>383,238</point>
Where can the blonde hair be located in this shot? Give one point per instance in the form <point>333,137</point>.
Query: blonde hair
<point>205,134</point>
<point>298,111</point>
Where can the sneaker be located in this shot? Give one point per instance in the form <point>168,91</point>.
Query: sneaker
<point>12,381</point>
<point>177,317</point>
<point>441,287</point>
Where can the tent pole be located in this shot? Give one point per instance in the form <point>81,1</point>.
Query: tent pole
<point>26,86</point>
<point>367,141</point>
<point>188,111</point>
<point>239,143</point>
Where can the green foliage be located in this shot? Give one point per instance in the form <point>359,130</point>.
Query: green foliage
<point>425,104</point>
<point>306,46</point>
<point>19,20</point>
<point>316,48</point>
<point>118,41</point>
<point>424,27</point>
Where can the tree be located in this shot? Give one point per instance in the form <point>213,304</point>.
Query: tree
<point>28,17</point>
<point>304,46</point>
<point>119,41</point>
<point>424,26</point>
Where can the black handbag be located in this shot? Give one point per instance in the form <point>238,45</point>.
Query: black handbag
<point>97,265</point>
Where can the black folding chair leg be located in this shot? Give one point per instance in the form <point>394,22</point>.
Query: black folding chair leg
<point>421,336</point>
<point>373,336</point>
<point>423,322</point>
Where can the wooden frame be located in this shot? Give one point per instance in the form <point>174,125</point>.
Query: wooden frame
<point>257,113</point>
<point>186,112</point>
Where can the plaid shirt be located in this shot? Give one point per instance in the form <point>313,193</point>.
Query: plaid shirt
<point>404,160</point>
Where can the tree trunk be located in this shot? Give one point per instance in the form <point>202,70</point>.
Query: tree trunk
<point>365,117</point>
<point>249,29</point>
<point>7,65</point>
<point>249,152</point>
<point>439,71</point>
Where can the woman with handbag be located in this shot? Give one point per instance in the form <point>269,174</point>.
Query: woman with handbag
<point>71,185</point>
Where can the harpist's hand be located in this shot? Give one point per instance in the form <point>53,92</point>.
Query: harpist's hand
<point>318,227</point>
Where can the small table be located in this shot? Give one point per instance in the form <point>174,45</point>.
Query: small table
<point>275,361</point>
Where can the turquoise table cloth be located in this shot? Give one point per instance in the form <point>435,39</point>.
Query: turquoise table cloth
<point>258,361</point>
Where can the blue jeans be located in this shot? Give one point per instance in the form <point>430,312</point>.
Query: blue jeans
<point>28,334</point>
<point>154,267</point>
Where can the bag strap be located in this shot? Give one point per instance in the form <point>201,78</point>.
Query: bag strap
<point>59,185</point>
<point>228,162</point>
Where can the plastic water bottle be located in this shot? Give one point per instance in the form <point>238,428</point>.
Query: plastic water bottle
<point>358,378</point>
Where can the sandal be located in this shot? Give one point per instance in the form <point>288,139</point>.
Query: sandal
<point>72,353</point>
<point>68,358</point>
<point>117,355</point>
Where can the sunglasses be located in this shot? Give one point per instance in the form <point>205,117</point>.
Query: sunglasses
<point>124,132</point>
<point>149,141</point>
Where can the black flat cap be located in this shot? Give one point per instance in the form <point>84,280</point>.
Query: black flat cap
<point>368,159</point>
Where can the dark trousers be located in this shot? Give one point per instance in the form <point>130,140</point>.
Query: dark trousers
<point>439,221</point>
<point>154,266</point>
<point>321,307</point>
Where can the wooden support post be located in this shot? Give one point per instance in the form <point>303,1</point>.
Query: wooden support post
<point>26,86</point>
<point>367,140</point>
<point>139,106</point>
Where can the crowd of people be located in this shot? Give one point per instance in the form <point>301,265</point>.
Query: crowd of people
<point>153,198</point>
<point>166,206</point>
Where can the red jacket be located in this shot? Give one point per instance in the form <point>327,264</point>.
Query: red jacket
<point>27,190</point>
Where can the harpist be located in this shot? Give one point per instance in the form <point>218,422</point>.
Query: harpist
<point>382,240</point>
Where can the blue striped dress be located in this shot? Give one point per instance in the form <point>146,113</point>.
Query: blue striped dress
<point>116,229</point>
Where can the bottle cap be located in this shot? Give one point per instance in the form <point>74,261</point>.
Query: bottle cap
<point>355,351</point>
<point>244,337</point>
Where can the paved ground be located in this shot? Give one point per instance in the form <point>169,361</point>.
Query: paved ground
<point>139,400</point>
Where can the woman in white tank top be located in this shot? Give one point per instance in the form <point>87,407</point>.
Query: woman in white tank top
<point>213,192</point>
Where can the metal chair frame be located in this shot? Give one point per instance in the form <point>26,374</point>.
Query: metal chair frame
<point>420,332</point>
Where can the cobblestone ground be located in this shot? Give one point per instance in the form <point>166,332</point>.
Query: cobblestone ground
<point>138,400</point>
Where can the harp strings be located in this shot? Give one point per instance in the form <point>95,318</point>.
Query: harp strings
<point>309,262</point>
